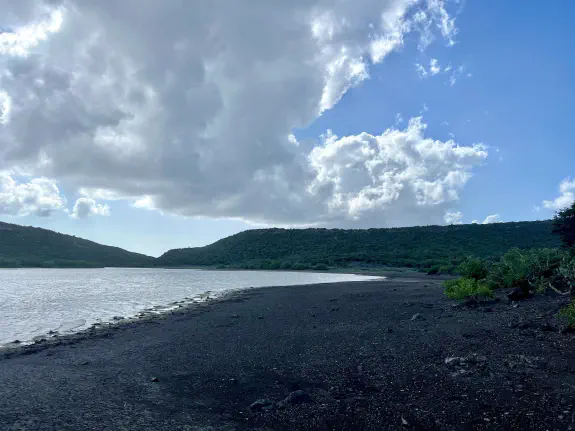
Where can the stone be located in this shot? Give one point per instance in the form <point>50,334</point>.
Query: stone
<point>155,379</point>
<point>518,294</point>
<point>297,397</point>
<point>262,404</point>
<point>417,316</point>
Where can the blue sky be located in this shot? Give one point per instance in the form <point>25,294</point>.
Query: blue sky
<point>512,93</point>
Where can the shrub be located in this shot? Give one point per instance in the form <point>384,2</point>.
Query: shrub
<point>433,270</point>
<point>320,267</point>
<point>568,313</point>
<point>286,265</point>
<point>464,288</point>
<point>300,266</point>
<point>447,269</point>
<point>473,268</point>
<point>564,226</point>
<point>524,268</point>
<point>567,272</point>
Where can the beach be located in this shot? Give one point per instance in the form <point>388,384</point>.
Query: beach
<point>372,355</point>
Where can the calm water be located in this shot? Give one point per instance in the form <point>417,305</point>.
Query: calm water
<point>35,301</point>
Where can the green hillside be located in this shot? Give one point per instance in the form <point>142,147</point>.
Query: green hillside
<point>418,247</point>
<point>35,247</point>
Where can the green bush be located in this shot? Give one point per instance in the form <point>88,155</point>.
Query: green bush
<point>300,266</point>
<point>567,270</point>
<point>434,270</point>
<point>320,267</point>
<point>473,268</point>
<point>524,268</point>
<point>464,288</point>
<point>568,313</point>
<point>564,226</point>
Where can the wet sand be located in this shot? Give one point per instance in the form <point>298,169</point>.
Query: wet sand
<point>369,355</point>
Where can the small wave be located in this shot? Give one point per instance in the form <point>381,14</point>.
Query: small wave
<point>71,325</point>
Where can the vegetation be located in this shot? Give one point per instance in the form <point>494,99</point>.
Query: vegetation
<point>528,271</point>
<point>22,246</point>
<point>568,313</point>
<point>467,288</point>
<point>474,268</point>
<point>564,226</point>
<point>436,249</point>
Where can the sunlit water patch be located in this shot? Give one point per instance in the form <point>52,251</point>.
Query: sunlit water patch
<point>35,302</point>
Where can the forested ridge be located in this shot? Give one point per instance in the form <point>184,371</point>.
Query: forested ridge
<point>23,246</point>
<point>418,247</point>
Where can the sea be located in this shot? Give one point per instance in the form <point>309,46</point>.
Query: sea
<point>39,303</point>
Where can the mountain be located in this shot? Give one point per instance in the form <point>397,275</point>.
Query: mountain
<point>418,247</point>
<point>36,247</point>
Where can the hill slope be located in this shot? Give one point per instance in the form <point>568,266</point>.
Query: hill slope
<point>36,247</point>
<point>412,247</point>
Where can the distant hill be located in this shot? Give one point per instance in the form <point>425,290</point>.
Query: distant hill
<point>418,247</point>
<point>22,246</point>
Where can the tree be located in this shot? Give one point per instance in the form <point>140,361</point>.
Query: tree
<point>564,226</point>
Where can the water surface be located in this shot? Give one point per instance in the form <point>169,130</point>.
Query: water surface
<point>36,301</point>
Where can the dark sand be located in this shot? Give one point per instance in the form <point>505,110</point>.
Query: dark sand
<point>353,349</point>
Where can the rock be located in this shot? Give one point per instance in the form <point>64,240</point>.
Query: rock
<point>235,316</point>
<point>117,318</point>
<point>548,327</point>
<point>518,294</point>
<point>389,330</point>
<point>488,310</point>
<point>262,404</point>
<point>260,317</point>
<point>155,379</point>
<point>524,324</point>
<point>568,329</point>
<point>296,397</point>
<point>470,301</point>
<point>452,361</point>
<point>16,342</point>
<point>417,316</point>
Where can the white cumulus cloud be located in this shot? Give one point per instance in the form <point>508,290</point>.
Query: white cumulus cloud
<point>85,207</point>
<point>493,218</point>
<point>566,196</point>
<point>39,196</point>
<point>453,217</point>
<point>189,107</point>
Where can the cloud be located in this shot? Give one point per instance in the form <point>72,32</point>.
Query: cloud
<point>85,207</point>
<point>399,174</point>
<point>456,73</point>
<point>493,218</point>
<point>453,218</point>
<point>433,69</point>
<point>565,198</point>
<point>189,107</point>
<point>39,196</point>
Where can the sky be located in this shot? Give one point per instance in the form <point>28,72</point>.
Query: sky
<point>155,125</point>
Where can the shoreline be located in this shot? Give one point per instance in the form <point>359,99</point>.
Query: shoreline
<point>187,304</point>
<point>351,355</point>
